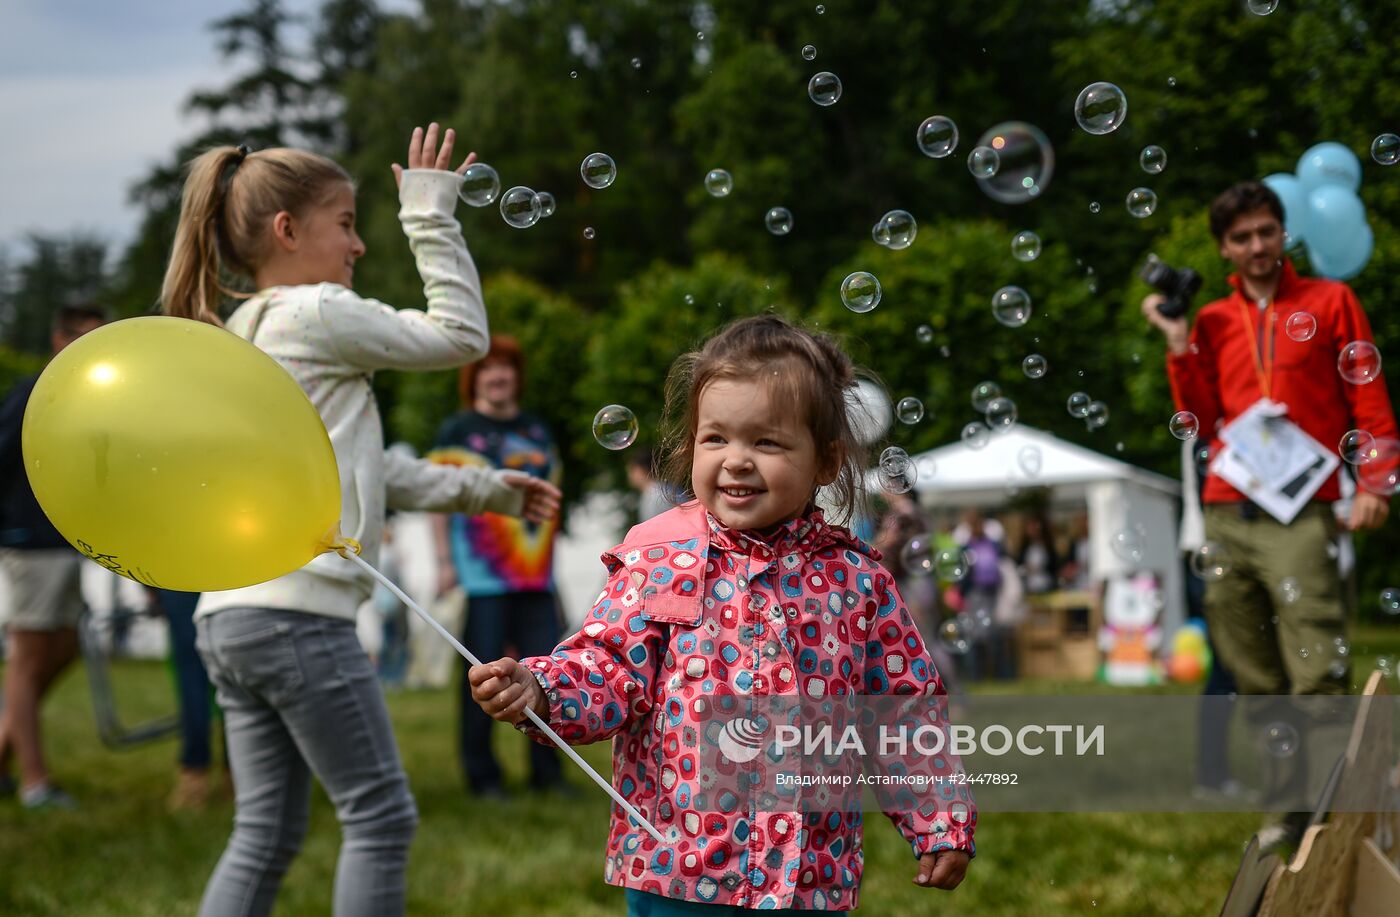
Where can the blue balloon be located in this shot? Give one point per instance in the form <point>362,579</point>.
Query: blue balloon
<point>1346,264</point>
<point>1295,204</point>
<point>1335,218</point>
<point>1329,163</point>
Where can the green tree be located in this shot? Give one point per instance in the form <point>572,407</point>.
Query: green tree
<point>664,312</point>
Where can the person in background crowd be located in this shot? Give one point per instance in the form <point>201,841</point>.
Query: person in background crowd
<point>1037,561</point>
<point>641,474</point>
<point>506,565</point>
<point>44,571</point>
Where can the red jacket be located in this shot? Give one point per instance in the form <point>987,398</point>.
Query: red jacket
<point>1217,378</point>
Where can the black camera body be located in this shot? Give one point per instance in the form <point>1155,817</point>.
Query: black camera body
<point>1179,285</point>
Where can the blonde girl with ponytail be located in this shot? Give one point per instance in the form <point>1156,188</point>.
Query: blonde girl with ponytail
<point>299,695</point>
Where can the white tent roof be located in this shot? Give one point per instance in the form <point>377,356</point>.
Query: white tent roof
<point>1009,460</point>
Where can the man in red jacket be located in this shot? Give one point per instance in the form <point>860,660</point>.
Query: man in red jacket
<point>1238,353</point>
<point>1277,640</point>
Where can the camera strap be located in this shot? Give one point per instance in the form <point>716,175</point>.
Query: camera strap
<point>1263,362</point>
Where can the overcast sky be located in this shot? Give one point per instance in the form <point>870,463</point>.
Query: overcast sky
<point>90,98</point>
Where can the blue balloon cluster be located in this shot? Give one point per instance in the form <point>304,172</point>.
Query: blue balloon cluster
<point>1322,212</point>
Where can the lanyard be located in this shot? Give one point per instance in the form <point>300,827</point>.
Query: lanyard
<point>1263,362</point>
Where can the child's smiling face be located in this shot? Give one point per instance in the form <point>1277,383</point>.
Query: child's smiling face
<point>755,462</point>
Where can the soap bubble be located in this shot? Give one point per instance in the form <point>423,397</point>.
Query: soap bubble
<point>950,634</point>
<point>951,564</point>
<point>1153,159</point>
<point>1031,460</point>
<point>1210,562</point>
<point>1025,162</point>
<point>917,554</point>
<point>1184,425</point>
<point>573,74</point>
<point>1381,474</point>
<point>1141,202</point>
<point>1100,108</point>
<point>598,170</point>
<point>937,136</point>
<point>1096,415</point>
<point>1390,600</point>
<point>1094,207</point>
<point>820,9</point>
<point>718,182</point>
<point>896,230</point>
<point>824,88</point>
<point>636,63</point>
<point>1289,590</point>
<point>1385,149</point>
<point>1001,415</point>
<point>983,393</point>
<point>1034,366</point>
<point>778,220</point>
<point>983,162</point>
<point>1078,404</point>
<point>520,207</point>
<point>1262,7</point>
<point>860,291</point>
<point>1357,447</point>
<point>546,203</point>
<point>900,481</point>
<point>809,52</point>
<point>1025,246</point>
<point>1359,362</point>
<point>976,435</point>
<point>481,185</point>
<point>893,458</point>
<point>924,334</point>
<point>1300,326</point>
<point>897,472</point>
<point>909,410</point>
<point>588,232</point>
<point>615,427</point>
<point>1011,306</point>
<point>1127,544</point>
<point>1280,739</point>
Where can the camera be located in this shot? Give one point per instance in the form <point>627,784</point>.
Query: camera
<point>1179,285</point>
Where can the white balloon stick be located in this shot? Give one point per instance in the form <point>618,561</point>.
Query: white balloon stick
<point>534,717</point>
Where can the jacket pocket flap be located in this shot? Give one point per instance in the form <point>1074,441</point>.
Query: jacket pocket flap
<point>669,608</point>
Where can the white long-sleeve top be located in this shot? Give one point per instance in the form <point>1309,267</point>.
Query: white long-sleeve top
<point>332,341</point>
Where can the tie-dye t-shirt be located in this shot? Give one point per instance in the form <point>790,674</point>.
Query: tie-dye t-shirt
<point>497,554</point>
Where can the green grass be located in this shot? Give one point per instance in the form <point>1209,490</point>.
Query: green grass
<point>122,854</point>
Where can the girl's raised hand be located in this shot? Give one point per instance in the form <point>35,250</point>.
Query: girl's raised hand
<point>423,152</point>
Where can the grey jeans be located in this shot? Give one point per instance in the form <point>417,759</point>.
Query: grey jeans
<point>300,697</point>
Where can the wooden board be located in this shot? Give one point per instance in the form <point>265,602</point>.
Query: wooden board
<point>1254,873</point>
<point>1318,881</point>
<point>1376,888</point>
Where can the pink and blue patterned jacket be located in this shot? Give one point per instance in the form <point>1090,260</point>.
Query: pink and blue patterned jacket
<point>693,611</point>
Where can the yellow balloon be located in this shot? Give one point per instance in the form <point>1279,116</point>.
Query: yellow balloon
<point>181,456</point>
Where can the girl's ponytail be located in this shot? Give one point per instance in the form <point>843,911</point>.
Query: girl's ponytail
<point>191,288</point>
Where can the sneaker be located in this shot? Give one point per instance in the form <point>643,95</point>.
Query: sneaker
<point>1283,835</point>
<point>561,788</point>
<point>46,796</point>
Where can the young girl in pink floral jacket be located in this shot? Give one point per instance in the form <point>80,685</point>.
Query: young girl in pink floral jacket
<point>744,592</point>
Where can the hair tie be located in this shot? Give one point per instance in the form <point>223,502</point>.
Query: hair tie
<point>243,151</point>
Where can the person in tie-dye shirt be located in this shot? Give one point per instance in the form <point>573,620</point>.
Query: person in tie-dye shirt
<point>504,565</point>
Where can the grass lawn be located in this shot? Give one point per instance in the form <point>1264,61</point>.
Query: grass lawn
<point>122,854</point>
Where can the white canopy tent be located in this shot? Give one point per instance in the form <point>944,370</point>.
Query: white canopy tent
<point>1120,498</point>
